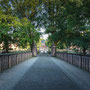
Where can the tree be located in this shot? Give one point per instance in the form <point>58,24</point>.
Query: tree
<point>28,34</point>
<point>13,26</point>
<point>7,24</point>
<point>66,19</point>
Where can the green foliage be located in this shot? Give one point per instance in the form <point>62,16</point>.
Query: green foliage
<point>15,27</point>
<point>67,20</point>
<point>7,25</point>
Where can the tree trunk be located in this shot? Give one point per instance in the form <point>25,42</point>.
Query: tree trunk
<point>84,50</point>
<point>6,47</point>
<point>31,45</point>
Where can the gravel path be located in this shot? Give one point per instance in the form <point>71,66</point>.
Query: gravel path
<point>44,73</point>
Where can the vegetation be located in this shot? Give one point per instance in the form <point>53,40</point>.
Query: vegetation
<point>15,26</point>
<point>66,21</point>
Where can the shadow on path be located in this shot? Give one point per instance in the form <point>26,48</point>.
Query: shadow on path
<point>45,75</point>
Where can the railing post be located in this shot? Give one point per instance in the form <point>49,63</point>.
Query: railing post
<point>53,50</point>
<point>0,63</point>
<point>89,64</point>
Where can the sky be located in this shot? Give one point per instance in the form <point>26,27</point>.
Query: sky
<point>44,36</point>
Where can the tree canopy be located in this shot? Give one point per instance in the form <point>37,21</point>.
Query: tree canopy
<point>15,27</point>
<point>69,22</point>
<point>66,21</point>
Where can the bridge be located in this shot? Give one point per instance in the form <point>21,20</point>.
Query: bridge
<point>44,73</point>
<point>55,27</point>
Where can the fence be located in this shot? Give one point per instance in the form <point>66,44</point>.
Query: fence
<point>82,61</point>
<point>10,60</point>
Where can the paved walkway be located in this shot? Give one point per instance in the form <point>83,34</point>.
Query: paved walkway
<point>44,73</point>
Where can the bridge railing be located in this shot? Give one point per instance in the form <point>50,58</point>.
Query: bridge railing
<point>10,60</point>
<point>82,61</point>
